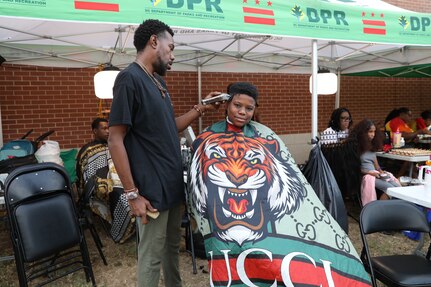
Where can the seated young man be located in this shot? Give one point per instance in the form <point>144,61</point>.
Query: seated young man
<point>96,174</point>
<point>261,221</point>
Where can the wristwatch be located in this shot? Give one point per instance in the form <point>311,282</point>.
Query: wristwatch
<point>131,195</point>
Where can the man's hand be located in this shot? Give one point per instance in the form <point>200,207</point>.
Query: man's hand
<point>213,106</point>
<point>140,207</point>
<point>425,132</point>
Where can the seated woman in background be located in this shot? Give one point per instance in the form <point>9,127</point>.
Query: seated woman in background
<point>338,126</point>
<point>370,140</point>
<point>398,120</point>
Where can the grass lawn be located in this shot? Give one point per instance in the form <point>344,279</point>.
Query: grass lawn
<point>122,259</point>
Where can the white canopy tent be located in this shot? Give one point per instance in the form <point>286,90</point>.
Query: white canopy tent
<point>344,38</point>
<point>74,44</point>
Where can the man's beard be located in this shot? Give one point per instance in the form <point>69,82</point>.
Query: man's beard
<point>160,68</point>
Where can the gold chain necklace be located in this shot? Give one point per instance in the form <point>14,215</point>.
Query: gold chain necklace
<point>154,80</point>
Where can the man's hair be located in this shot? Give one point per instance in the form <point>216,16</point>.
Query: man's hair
<point>243,88</point>
<point>148,28</point>
<point>96,122</point>
<point>426,115</point>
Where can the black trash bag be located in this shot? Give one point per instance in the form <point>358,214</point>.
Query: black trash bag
<point>345,163</point>
<point>318,173</point>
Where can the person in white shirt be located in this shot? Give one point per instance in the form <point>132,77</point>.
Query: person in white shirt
<point>338,126</point>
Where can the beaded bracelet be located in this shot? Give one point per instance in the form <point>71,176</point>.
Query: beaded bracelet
<point>198,110</point>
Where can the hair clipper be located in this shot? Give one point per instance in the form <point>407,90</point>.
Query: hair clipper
<point>219,98</point>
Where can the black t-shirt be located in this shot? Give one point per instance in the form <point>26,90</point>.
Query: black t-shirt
<point>152,141</point>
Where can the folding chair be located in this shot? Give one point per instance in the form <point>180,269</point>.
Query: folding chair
<point>394,269</point>
<point>46,235</point>
<point>86,217</point>
<point>187,225</point>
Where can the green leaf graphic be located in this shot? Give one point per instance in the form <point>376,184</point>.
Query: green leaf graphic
<point>297,12</point>
<point>403,22</point>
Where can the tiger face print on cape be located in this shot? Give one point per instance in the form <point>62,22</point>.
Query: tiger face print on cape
<point>245,185</point>
<point>262,223</point>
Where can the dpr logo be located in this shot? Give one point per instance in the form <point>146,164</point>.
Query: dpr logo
<point>416,23</point>
<point>324,16</point>
<point>209,4</point>
<point>403,22</point>
<point>420,23</point>
<point>297,12</point>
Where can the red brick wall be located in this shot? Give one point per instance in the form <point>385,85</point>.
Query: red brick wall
<point>63,99</point>
<point>43,98</point>
<point>423,6</point>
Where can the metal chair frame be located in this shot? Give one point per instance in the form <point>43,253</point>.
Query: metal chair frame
<point>394,269</point>
<point>44,226</point>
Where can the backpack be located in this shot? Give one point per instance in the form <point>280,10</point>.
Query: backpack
<point>16,148</point>
<point>19,152</point>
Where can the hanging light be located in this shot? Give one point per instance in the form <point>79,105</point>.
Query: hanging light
<point>326,82</point>
<point>104,82</point>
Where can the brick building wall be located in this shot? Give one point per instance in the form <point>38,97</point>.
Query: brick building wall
<point>423,6</point>
<point>63,99</point>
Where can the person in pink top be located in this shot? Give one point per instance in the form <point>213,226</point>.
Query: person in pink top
<point>370,140</point>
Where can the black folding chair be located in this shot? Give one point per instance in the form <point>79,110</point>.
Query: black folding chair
<point>394,269</point>
<point>47,239</point>
<point>187,225</point>
<point>86,217</point>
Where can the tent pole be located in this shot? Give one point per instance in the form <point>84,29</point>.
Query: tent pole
<point>337,95</point>
<point>314,102</point>
<point>199,91</point>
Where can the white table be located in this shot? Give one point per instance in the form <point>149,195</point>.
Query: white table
<point>418,194</point>
<point>411,159</point>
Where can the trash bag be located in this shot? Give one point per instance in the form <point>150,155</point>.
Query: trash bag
<point>318,173</point>
<point>49,152</point>
<point>345,163</point>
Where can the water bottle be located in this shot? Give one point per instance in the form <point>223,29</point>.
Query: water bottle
<point>396,139</point>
